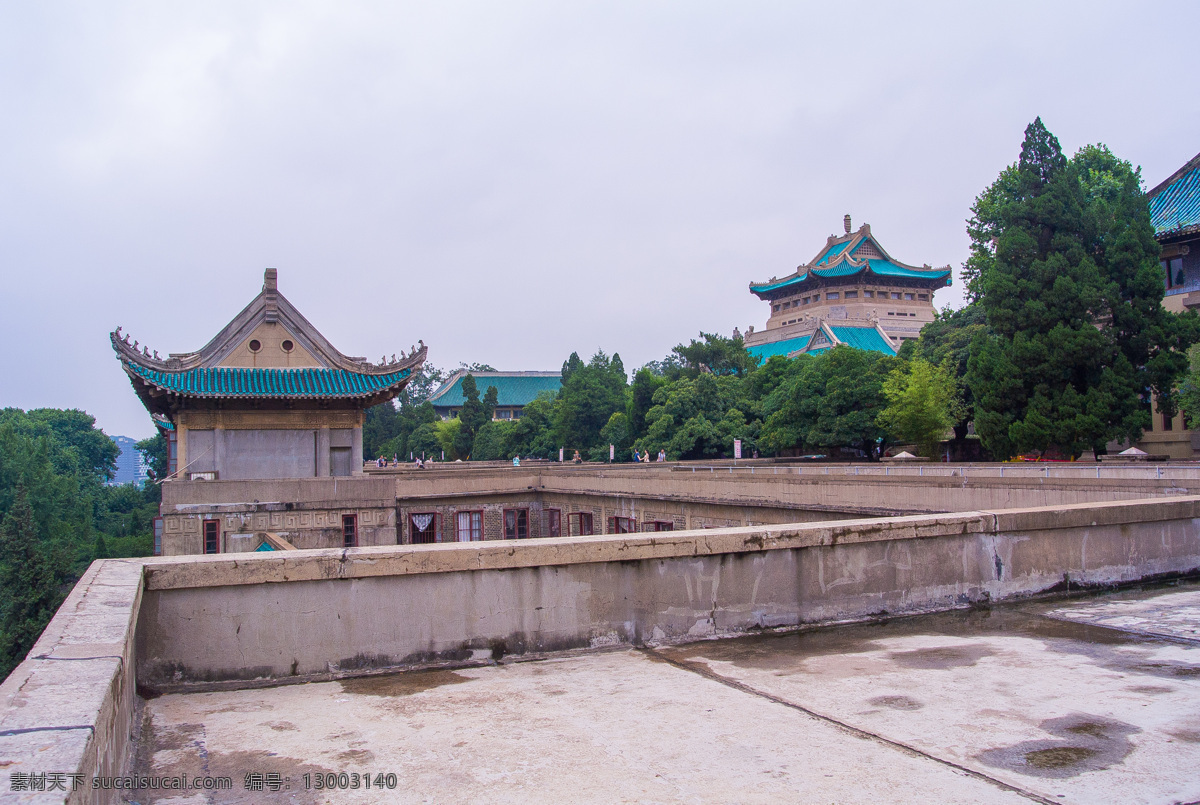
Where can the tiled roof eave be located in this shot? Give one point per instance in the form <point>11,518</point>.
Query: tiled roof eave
<point>255,386</point>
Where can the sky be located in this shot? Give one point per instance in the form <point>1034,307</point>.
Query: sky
<point>511,182</point>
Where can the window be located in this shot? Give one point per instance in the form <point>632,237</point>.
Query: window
<point>349,530</point>
<point>423,528</point>
<point>924,297</point>
<point>158,534</point>
<point>1168,422</point>
<point>660,525</point>
<point>910,297</point>
<point>805,300</point>
<point>1174,269</point>
<point>503,414</point>
<point>895,295</point>
<point>172,452</point>
<point>579,524</point>
<point>851,294</point>
<point>786,305</point>
<point>831,295</point>
<point>470,526</point>
<point>516,523</point>
<point>254,345</point>
<point>287,345</point>
<point>622,525</point>
<point>869,294</point>
<point>553,523</point>
<point>777,308</point>
<point>212,536</point>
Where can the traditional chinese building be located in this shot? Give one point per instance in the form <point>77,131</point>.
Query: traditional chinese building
<point>514,390</point>
<point>1175,214</point>
<point>267,398</point>
<point>853,292</point>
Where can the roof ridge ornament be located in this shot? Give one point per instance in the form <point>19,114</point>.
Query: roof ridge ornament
<point>846,223</point>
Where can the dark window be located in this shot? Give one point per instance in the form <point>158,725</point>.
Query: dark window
<point>349,530</point>
<point>1168,422</point>
<point>1174,269</point>
<point>621,525</point>
<point>470,526</point>
<point>423,527</point>
<point>172,452</point>
<point>158,535</point>
<point>553,523</point>
<point>516,523</point>
<point>660,525</point>
<point>254,345</point>
<point>287,345</point>
<point>579,524</point>
<point>212,536</point>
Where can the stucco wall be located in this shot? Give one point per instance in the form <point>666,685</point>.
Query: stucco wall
<point>304,614</point>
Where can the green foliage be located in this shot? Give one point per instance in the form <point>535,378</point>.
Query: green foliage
<point>923,403</point>
<point>641,399</point>
<point>475,413</point>
<point>155,451</point>
<point>618,433</point>
<point>1066,271</point>
<point>533,434</point>
<point>830,400</point>
<point>31,579</point>
<point>717,354</point>
<point>494,441</point>
<point>946,341</point>
<point>427,440</point>
<point>1187,393</point>
<point>698,418</point>
<point>591,393</point>
<point>445,437</point>
<point>58,515</point>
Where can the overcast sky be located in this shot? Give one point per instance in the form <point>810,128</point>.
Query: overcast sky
<point>514,181</point>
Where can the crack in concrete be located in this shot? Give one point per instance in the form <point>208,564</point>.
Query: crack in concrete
<point>708,673</point>
<point>26,730</point>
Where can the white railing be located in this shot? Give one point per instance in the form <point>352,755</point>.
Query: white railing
<point>1188,472</point>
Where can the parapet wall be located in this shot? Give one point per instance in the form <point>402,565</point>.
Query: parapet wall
<point>311,614</point>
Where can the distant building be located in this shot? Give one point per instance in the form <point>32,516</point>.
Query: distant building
<point>514,390</point>
<point>1175,213</point>
<point>853,292</point>
<point>132,467</point>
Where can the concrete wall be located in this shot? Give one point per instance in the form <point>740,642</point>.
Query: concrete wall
<point>70,706</point>
<point>307,614</point>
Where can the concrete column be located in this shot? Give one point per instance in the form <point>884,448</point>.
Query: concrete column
<point>356,454</point>
<point>323,452</point>
<point>219,450</point>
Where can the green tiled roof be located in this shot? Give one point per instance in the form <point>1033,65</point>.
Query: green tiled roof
<point>1176,207</point>
<point>863,338</point>
<point>766,351</point>
<point>269,383</point>
<point>512,388</point>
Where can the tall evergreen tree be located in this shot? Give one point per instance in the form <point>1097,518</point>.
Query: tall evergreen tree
<point>472,417</point>
<point>1066,272</point>
<point>30,582</point>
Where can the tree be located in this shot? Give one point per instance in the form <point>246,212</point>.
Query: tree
<point>923,403</point>
<point>471,417</point>
<point>720,355</point>
<point>830,400</point>
<point>946,342</point>
<point>591,393</point>
<point>641,399</point>
<point>30,581</point>
<point>1067,275</point>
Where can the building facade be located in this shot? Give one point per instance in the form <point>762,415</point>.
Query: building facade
<point>1175,214</point>
<point>514,390</point>
<point>853,292</point>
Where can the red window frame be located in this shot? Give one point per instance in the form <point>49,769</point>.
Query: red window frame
<point>210,532</point>
<point>659,525</point>
<point>622,525</point>
<point>349,530</point>
<point>172,453</point>
<point>579,524</point>
<point>474,532</point>
<point>519,526</point>
<point>553,522</point>
<point>413,531</point>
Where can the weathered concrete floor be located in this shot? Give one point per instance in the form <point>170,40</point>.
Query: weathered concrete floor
<point>1010,705</point>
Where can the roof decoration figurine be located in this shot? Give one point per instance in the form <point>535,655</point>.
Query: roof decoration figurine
<point>853,292</point>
